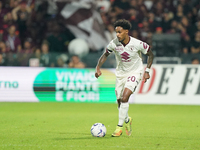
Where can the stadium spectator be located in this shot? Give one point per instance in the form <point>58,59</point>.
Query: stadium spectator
<point>3,12</point>
<point>133,4</point>
<point>195,46</point>
<point>186,43</point>
<point>184,26</point>
<point>133,17</point>
<point>60,62</point>
<point>12,40</point>
<point>58,40</point>
<point>36,23</point>
<point>46,59</point>
<point>179,13</point>
<point>120,7</point>
<point>195,61</point>
<point>22,11</point>
<point>75,62</point>
<point>166,20</point>
<point>24,54</point>
<point>185,56</point>
<point>13,3</point>
<point>173,27</point>
<point>142,10</point>
<point>36,55</point>
<point>144,29</point>
<point>21,14</point>
<point>158,9</point>
<point>8,21</point>
<point>112,16</point>
<point>2,60</point>
<point>11,59</point>
<point>3,48</point>
<point>186,7</point>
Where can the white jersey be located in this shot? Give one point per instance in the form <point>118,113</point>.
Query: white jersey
<point>128,57</point>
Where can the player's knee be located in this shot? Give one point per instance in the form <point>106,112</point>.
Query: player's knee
<point>124,99</point>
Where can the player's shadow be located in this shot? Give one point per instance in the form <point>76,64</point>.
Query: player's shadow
<point>80,138</point>
<point>86,136</point>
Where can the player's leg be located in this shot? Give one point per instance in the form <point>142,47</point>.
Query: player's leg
<point>118,91</point>
<point>119,103</point>
<point>118,130</point>
<point>124,88</point>
<point>120,83</point>
<point>131,85</point>
<point>123,111</point>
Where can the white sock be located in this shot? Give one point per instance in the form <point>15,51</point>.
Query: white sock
<point>123,111</point>
<point>126,119</point>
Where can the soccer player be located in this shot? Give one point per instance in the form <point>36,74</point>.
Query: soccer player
<point>129,69</point>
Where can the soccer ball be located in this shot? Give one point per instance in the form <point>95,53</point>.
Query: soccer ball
<point>98,130</point>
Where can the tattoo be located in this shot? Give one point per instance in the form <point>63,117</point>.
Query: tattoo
<point>102,59</point>
<point>150,58</point>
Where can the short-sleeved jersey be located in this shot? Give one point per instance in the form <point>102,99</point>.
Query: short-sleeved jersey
<point>128,57</point>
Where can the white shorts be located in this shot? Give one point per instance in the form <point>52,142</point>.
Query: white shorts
<point>131,82</point>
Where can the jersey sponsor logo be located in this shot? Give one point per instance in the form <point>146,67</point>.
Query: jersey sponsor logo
<point>125,57</point>
<point>119,48</point>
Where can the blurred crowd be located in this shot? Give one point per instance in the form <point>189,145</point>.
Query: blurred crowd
<point>29,33</point>
<point>149,17</point>
<point>33,34</point>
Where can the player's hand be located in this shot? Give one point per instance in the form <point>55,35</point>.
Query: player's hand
<point>146,76</point>
<point>97,72</point>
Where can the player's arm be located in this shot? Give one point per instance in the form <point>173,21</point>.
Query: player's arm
<point>149,63</point>
<point>101,61</point>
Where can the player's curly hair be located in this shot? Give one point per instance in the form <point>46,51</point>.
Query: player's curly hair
<point>125,24</point>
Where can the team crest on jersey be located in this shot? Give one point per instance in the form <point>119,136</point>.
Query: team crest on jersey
<point>125,57</point>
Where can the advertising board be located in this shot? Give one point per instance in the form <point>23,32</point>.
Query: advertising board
<point>169,84</point>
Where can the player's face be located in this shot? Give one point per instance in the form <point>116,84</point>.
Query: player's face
<point>121,33</point>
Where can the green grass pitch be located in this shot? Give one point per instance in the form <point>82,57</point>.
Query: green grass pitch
<point>66,126</point>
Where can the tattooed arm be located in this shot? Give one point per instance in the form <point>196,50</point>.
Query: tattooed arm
<point>149,63</point>
<point>101,61</point>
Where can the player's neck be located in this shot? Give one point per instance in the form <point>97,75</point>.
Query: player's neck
<point>126,41</point>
